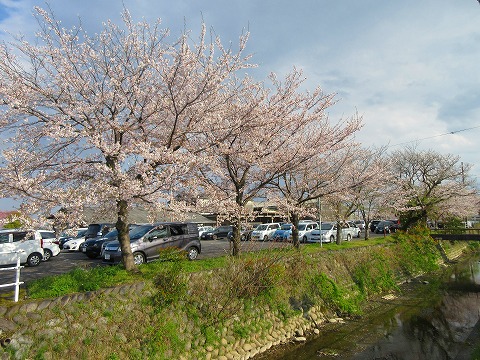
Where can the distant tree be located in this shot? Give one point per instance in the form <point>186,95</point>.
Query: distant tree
<point>110,120</point>
<point>369,192</point>
<point>431,182</point>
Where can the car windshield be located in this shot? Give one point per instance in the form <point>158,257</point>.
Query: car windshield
<point>111,234</point>
<point>139,231</point>
<point>81,233</point>
<point>302,227</point>
<point>327,226</point>
<point>93,230</point>
<point>261,227</point>
<point>286,227</point>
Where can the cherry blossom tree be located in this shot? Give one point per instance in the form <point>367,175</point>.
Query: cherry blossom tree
<point>109,120</point>
<point>321,175</point>
<point>432,183</point>
<point>367,186</point>
<point>278,132</point>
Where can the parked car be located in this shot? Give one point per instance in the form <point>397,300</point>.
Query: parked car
<point>217,233</point>
<point>373,225</point>
<point>98,230</point>
<point>202,229</point>
<point>329,232</point>
<point>14,243</point>
<point>355,229</point>
<point>49,243</point>
<point>282,233</point>
<point>264,232</point>
<point>360,224</point>
<point>147,240</point>
<point>305,228</point>
<point>93,247</point>
<point>386,227</point>
<point>244,234</point>
<point>74,244</point>
<point>71,234</point>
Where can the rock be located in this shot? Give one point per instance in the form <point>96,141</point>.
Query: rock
<point>247,347</point>
<point>300,338</point>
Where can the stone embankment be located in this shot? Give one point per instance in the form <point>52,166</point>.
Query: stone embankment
<point>32,328</point>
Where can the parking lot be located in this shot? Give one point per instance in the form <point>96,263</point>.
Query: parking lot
<point>67,261</point>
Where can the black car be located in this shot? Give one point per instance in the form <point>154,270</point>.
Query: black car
<point>385,227</point>
<point>217,233</point>
<point>93,247</point>
<point>373,225</point>
<point>98,230</point>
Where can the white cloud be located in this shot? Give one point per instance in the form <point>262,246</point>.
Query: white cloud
<point>409,67</point>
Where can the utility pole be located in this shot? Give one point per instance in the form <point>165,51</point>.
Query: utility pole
<point>320,220</point>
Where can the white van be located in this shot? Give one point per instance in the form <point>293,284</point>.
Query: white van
<point>264,232</point>
<point>23,243</point>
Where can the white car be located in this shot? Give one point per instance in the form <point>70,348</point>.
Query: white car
<point>354,228</point>
<point>264,232</point>
<point>202,229</point>
<point>49,243</point>
<point>329,233</point>
<point>74,244</point>
<point>15,243</point>
<point>305,228</point>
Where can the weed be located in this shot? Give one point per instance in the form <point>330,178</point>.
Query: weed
<point>335,297</point>
<point>374,276</point>
<point>170,283</point>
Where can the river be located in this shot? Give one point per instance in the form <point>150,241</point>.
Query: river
<point>430,319</point>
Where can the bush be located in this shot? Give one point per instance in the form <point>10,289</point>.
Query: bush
<point>417,251</point>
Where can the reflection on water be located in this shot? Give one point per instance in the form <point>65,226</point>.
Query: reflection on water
<point>433,324</point>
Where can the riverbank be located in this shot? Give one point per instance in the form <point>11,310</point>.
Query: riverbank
<point>234,313</point>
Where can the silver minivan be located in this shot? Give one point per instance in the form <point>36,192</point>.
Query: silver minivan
<point>14,243</point>
<point>148,240</point>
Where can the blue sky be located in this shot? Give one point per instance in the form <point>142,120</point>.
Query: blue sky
<point>410,68</point>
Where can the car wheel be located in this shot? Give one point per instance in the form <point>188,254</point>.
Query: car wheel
<point>332,238</point>
<point>214,237</point>
<point>138,258</point>
<point>34,259</point>
<point>265,238</point>
<point>304,239</point>
<point>243,238</point>
<point>47,254</point>
<point>192,253</point>
<point>349,237</point>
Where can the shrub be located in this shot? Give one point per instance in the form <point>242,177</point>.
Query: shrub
<point>417,250</point>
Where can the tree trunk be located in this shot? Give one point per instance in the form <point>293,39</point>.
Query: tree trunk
<point>339,232</point>
<point>124,236</point>
<point>295,239</point>
<point>236,236</point>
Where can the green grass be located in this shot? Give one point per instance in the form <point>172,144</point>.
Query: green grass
<point>80,280</point>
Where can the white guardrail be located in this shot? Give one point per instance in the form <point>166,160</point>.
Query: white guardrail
<point>17,268</point>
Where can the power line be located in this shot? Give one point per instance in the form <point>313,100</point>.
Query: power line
<point>434,136</point>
